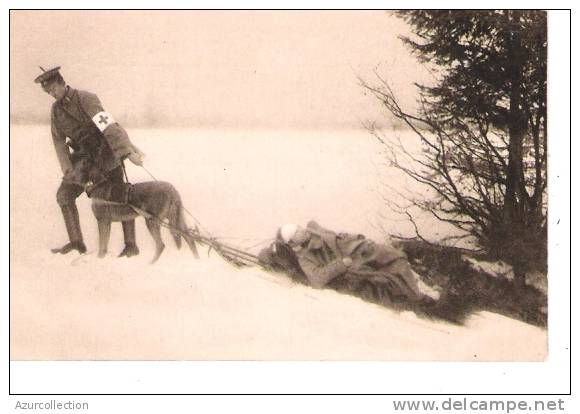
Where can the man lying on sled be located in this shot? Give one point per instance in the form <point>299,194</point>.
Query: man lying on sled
<point>346,262</point>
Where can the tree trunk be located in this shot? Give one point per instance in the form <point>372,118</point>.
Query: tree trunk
<point>514,200</point>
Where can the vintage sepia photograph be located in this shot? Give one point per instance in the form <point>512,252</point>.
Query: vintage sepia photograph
<point>293,185</point>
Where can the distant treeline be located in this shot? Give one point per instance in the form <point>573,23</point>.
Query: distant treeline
<point>156,122</point>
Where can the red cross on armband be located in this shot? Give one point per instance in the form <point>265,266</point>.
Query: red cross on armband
<point>102,120</point>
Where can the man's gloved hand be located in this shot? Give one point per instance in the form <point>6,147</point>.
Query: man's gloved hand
<point>136,157</point>
<point>347,261</point>
<point>353,263</point>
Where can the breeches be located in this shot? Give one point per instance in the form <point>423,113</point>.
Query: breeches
<point>386,266</point>
<point>395,282</point>
<point>68,192</point>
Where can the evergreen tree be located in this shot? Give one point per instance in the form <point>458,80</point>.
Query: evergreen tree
<point>483,127</point>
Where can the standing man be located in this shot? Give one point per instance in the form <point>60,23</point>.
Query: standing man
<point>82,132</point>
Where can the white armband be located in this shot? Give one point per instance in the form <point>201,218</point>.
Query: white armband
<point>102,120</point>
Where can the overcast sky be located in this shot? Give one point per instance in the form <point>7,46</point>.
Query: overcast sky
<point>224,69</point>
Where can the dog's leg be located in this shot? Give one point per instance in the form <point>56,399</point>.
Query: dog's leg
<point>104,234</point>
<point>130,248</point>
<point>155,231</point>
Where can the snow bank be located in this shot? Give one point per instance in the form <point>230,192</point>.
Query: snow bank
<point>82,307</point>
<point>503,270</point>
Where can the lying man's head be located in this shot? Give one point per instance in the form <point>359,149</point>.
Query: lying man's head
<point>293,235</point>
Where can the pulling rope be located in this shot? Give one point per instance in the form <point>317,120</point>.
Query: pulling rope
<point>125,172</point>
<point>197,223</point>
<point>233,255</point>
<point>146,170</point>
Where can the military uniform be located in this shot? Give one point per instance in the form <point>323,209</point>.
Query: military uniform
<point>382,268</point>
<point>84,134</point>
<point>92,135</point>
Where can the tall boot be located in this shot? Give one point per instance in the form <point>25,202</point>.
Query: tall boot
<point>73,228</point>
<point>131,248</point>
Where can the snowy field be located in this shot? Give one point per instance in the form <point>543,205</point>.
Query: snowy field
<point>240,186</point>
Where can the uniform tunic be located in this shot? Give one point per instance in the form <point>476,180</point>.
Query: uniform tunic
<point>92,135</point>
<point>80,116</point>
<point>321,262</point>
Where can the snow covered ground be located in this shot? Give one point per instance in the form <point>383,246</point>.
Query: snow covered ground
<point>240,185</point>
